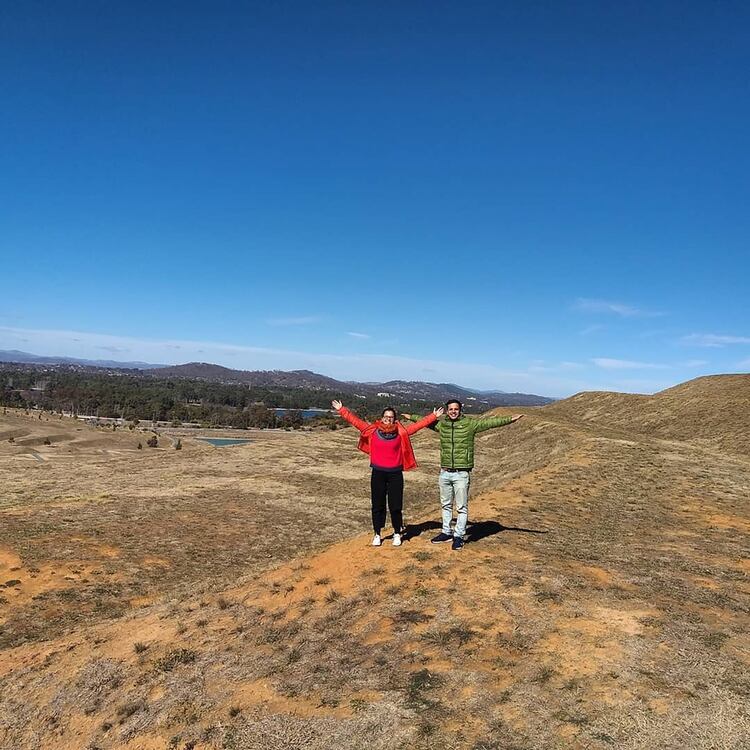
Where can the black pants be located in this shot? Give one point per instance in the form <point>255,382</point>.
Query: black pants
<point>390,485</point>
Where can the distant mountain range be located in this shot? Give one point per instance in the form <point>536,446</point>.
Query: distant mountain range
<point>406,389</point>
<point>25,358</point>
<point>301,379</point>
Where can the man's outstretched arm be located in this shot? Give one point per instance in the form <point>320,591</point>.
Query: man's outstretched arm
<point>488,423</point>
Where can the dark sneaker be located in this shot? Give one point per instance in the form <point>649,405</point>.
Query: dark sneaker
<point>441,538</point>
<point>458,544</point>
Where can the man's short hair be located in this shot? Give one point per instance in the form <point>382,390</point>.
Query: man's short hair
<point>454,401</point>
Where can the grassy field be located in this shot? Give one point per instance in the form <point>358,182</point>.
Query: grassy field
<point>228,598</point>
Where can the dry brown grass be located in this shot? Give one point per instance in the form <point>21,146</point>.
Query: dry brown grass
<point>602,601</point>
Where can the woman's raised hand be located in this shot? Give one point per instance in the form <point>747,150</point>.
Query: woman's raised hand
<point>437,412</point>
<point>336,404</point>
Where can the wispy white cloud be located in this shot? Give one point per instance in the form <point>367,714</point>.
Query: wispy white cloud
<point>585,304</point>
<point>549,378</point>
<point>744,364</point>
<point>592,329</point>
<point>356,335</point>
<point>303,320</point>
<point>694,363</point>
<point>607,363</point>
<point>713,340</point>
<point>541,366</point>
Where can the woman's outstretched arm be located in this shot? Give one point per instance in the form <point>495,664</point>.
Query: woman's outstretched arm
<point>424,422</point>
<point>353,419</point>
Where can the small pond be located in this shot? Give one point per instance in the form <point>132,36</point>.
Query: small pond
<point>221,442</point>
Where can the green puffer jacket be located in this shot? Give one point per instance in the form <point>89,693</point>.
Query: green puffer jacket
<point>457,438</point>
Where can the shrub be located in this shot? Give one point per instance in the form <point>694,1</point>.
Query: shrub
<point>126,710</point>
<point>153,442</point>
<point>140,446</point>
<point>178,445</point>
<point>179,656</point>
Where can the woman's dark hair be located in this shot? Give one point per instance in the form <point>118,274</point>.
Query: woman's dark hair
<point>454,401</point>
<point>389,408</point>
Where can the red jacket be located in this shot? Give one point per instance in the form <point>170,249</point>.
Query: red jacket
<point>366,429</point>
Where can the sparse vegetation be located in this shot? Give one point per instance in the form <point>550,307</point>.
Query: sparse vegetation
<point>627,582</point>
<point>175,658</point>
<point>126,710</point>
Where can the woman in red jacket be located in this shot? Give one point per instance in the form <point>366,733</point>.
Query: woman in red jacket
<point>389,447</point>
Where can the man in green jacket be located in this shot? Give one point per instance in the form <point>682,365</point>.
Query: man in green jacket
<point>457,432</point>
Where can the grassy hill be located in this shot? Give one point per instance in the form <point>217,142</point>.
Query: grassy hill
<point>712,411</point>
<point>602,600</point>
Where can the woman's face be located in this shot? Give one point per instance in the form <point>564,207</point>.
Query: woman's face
<point>388,417</point>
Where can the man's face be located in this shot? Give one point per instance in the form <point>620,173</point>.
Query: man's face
<point>454,411</point>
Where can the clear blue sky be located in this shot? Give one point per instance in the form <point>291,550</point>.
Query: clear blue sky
<point>546,197</point>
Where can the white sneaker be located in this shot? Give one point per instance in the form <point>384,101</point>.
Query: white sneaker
<point>376,540</point>
<point>397,540</point>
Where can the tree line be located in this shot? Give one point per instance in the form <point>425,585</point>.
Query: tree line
<point>132,397</point>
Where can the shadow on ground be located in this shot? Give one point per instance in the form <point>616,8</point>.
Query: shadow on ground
<point>475,530</point>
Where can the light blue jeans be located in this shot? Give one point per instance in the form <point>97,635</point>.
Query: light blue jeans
<point>454,486</point>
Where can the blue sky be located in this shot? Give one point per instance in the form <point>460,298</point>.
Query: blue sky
<point>546,197</point>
